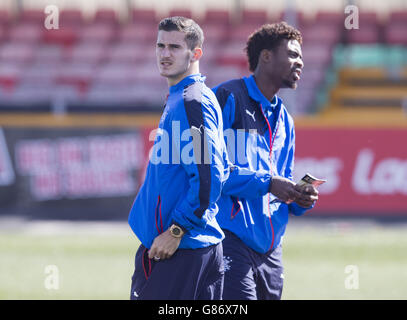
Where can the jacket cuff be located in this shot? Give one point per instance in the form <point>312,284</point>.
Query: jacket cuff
<point>184,217</point>
<point>265,181</point>
<point>179,225</point>
<point>297,210</point>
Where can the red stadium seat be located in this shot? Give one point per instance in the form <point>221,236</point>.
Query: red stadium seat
<point>368,18</point>
<point>216,74</point>
<point>254,17</point>
<point>297,101</point>
<point>79,75</point>
<point>300,20</point>
<point>10,75</point>
<point>137,94</point>
<point>5,17</point>
<point>67,93</point>
<point>146,73</point>
<point>41,72</point>
<point>214,34</point>
<point>216,18</point>
<point>181,13</point>
<point>137,33</point>
<point>154,95</point>
<point>71,17</point>
<point>147,54</point>
<point>127,52</point>
<point>108,95</point>
<point>241,33</point>
<point>316,54</point>
<point>48,54</point>
<point>25,32</point>
<point>397,17</point>
<point>32,16</point>
<point>326,34</point>
<point>3,33</point>
<point>395,33</point>
<point>17,52</point>
<point>232,55</point>
<point>29,93</point>
<point>114,73</point>
<point>367,33</point>
<point>87,53</point>
<point>335,18</point>
<point>210,52</point>
<point>98,32</point>
<point>66,36</point>
<point>312,76</point>
<point>144,16</point>
<point>106,16</point>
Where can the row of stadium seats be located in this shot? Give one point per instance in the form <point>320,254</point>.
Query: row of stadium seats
<point>370,55</point>
<point>146,16</point>
<point>392,33</point>
<point>374,73</point>
<point>371,81</point>
<point>122,53</point>
<point>371,87</point>
<point>121,69</point>
<point>211,16</point>
<point>107,63</point>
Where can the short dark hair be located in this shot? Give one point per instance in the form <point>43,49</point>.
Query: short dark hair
<point>193,33</point>
<point>269,37</point>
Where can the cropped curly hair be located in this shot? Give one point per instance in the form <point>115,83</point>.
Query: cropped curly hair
<point>269,36</point>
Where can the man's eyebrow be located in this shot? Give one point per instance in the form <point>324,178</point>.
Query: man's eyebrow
<point>169,44</point>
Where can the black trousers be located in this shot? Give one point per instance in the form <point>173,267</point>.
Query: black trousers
<point>190,274</point>
<point>250,275</point>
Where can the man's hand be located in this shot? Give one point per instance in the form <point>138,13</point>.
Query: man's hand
<point>164,246</point>
<point>309,194</point>
<point>284,189</point>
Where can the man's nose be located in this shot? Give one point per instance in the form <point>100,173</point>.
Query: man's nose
<point>165,52</point>
<point>300,63</point>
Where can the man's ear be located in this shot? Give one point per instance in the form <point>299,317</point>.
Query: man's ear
<point>266,55</point>
<point>196,54</point>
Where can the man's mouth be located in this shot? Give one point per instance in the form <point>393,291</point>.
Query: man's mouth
<point>297,73</point>
<point>166,63</point>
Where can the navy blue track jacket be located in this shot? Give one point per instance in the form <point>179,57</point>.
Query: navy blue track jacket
<point>260,137</point>
<point>185,175</point>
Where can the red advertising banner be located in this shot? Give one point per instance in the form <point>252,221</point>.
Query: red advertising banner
<point>80,167</point>
<point>366,169</point>
<point>70,173</point>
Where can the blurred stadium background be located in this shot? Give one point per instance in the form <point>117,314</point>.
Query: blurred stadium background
<point>77,105</point>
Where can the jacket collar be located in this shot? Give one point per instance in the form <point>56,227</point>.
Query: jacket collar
<point>186,81</point>
<point>255,94</point>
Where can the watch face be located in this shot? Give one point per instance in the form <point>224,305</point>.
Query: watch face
<point>176,231</point>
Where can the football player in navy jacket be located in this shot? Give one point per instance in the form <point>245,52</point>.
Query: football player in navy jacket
<point>260,136</point>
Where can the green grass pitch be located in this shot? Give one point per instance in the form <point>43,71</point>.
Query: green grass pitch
<point>95,266</point>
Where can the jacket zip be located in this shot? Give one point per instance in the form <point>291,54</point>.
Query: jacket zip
<point>233,215</point>
<point>158,213</point>
<point>271,143</point>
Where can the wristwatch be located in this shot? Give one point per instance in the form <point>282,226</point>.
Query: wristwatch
<point>176,231</point>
